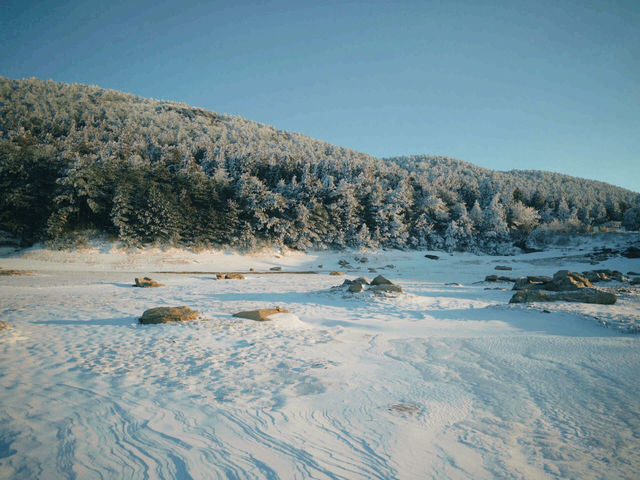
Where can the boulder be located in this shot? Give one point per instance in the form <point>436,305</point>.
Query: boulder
<point>4,325</point>
<point>363,260</point>
<point>276,269</point>
<point>336,274</point>
<point>230,276</point>
<point>344,263</point>
<point>635,281</point>
<point>491,278</point>
<point>565,280</point>
<point>525,283</point>
<point>168,314</point>
<point>584,295</point>
<point>260,315</point>
<point>356,287</point>
<point>146,282</point>
<point>503,267</point>
<point>380,280</point>
<point>390,265</point>
<point>361,280</point>
<point>389,288</point>
<point>633,273</point>
<point>372,270</point>
<point>499,278</point>
<point>432,257</point>
<point>539,278</point>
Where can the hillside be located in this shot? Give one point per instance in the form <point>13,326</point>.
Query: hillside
<point>76,158</point>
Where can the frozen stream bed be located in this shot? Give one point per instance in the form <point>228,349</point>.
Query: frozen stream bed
<point>443,381</point>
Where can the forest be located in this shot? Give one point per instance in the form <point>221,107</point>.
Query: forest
<point>78,161</point>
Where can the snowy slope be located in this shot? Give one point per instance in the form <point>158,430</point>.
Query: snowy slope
<point>444,381</point>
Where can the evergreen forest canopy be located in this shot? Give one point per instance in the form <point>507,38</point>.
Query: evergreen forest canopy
<point>76,158</point>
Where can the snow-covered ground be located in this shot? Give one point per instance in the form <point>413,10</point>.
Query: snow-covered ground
<point>443,381</point>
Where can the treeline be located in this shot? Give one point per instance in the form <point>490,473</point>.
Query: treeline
<point>77,158</point>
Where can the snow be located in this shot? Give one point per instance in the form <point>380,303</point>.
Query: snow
<point>443,381</point>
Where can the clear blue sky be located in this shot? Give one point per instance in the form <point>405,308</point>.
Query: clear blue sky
<point>550,85</point>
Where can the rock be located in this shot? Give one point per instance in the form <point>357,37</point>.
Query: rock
<point>500,278</point>
<point>390,266</point>
<point>565,280</point>
<point>320,266</point>
<point>251,269</point>
<point>503,267</point>
<point>635,281</point>
<point>453,284</point>
<point>4,325</point>
<point>491,278</point>
<point>343,263</point>
<point>539,278</point>
<point>380,280</point>
<point>275,269</point>
<point>230,276</point>
<point>336,274</point>
<point>260,315</point>
<point>356,287</point>
<point>391,288</point>
<point>524,283</point>
<point>15,272</point>
<point>631,252</point>
<point>361,280</point>
<point>372,270</point>
<point>584,295</point>
<point>605,275</point>
<point>363,260</point>
<point>432,257</point>
<point>633,273</point>
<point>146,282</point>
<point>168,314</point>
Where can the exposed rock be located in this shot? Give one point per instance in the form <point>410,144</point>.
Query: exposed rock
<point>453,284</point>
<point>524,283</point>
<point>605,275</point>
<point>320,266</point>
<point>635,281</point>
<point>631,252</point>
<point>275,269</point>
<point>390,266</point>
<point>361,280</point>
<point>146,282</point>
<point>15,272</point>
<point>260,315</point>
<point>432,257</point>
<point>565,280</point>
<point>363,260</point>
<point>344,263</point>
<point>336,274</point>
<point>356,287</point>
<point>503,267</point>
<point>380,280</point>
<point>4,325</point>
<point>372,270</point>
<point>168,314</point>
<point>539,278</point>
<point>499,278</point>
<point>230,276</point>
<point>391,288</point>
<point>633,273</point>
<point>584,295</point>
<point>405,409</point>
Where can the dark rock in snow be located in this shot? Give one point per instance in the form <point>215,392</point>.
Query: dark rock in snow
<point>230,276</point>
<point>432,257</point>
<point>356,287</point>
<point>168,314</point>
<point>380,280</point>
<point>503,267</point>
<point>390,288</point>
<point>336,274</point>
<point>584,295</point>
<point>635,281</point>
<point>276,269</point>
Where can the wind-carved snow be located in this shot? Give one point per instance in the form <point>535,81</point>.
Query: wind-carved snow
<point>438,382</point>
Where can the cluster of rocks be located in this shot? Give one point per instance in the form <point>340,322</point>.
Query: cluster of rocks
<point>379,284</point>
<point>147,282</point>
<point>229,276</point>
<point>571,287</point>
<point>602,254</point>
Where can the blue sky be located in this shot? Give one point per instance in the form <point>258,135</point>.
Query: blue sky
<point>549,85</point>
